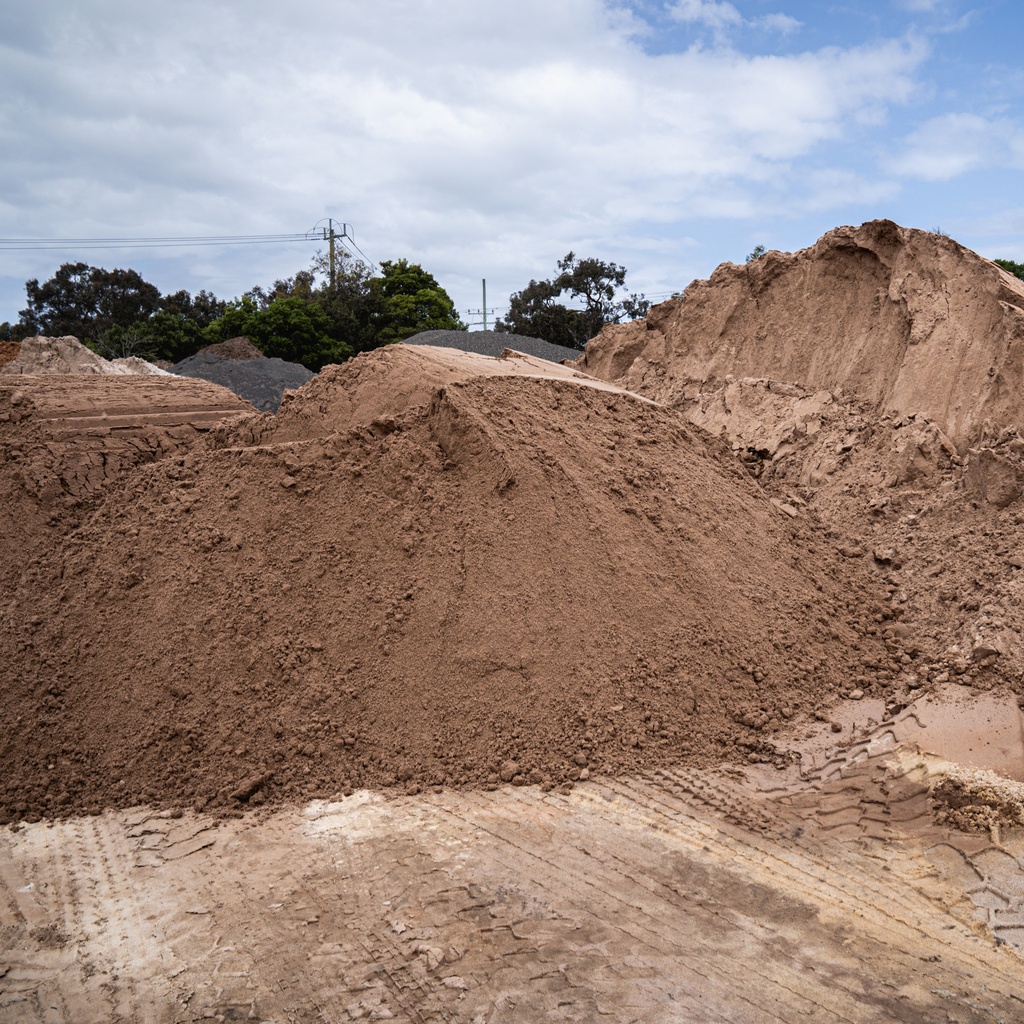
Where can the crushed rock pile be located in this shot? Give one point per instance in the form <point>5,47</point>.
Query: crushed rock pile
<point>254,377</point>
<point>871,384</point>
<point>493,343</point>
<point>41,354</point>
<point>525,578</point>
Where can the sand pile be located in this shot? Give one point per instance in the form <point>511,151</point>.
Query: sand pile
<point>8,350</point>
<point>233,365</point>
<point>68,355</point>
<point>64,438</point>
<point>834,338</point>
<point>910,322</point>
<point>493,343</point>
<point>525,579</point>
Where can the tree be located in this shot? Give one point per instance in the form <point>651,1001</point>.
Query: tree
<point>535,313</point>
<point>757,253</point>
<point>407,300</point>
<point>88,302</point>
<point>348,299</point>
<point>1017,269</point>
<point>289,328</point>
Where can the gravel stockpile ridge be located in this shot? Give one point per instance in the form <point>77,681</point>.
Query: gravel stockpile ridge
<point>260,381</point>
<point>492,343</point>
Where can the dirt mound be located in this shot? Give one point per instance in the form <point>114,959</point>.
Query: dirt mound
<point>867,320</point>
<point>910,322</point>
<point>234,348</point>
<point>68,355</point>
<point>261,381</point>
<point>525,579</point>
<point>8,350</point>
<point>133,364</point>
<point>385,383</point>
<point>64,438</point>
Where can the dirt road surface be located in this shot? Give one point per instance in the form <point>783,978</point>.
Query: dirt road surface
<point>828,893</point>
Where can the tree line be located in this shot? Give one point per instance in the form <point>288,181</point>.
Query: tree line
<point>321,315</point>
<point>316,317</point>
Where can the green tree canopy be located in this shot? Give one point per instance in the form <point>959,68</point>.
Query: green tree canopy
<point>88,301</point>
<point>591,284</point>
<point>288,327</point>
<point>407,300</point>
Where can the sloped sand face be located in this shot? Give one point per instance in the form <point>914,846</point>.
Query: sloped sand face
<point>528,579</point>
<point>65,437</point>
<point>908,321</point>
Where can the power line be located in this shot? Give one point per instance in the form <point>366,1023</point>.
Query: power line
<point>153,242</point>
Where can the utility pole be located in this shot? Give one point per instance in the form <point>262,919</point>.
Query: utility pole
<point>331,252</point>
<point>475,312</point>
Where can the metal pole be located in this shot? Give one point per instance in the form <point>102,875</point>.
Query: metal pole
<point>331,223</point>
<point>484,281</point>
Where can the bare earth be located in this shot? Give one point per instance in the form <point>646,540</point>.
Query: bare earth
<point>682,685</point>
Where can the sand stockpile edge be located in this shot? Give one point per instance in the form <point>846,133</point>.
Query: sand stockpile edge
<point>908,321</point>
<point>525,580</point>
<point>67,355</point>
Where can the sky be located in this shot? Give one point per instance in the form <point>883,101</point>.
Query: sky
<point>485,139</point>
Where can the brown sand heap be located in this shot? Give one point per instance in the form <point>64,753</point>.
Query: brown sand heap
<point>797,362</point>
<point>910,322</point>
<point>235,348</point>
<point>68,355</point>
<point>527,579</point>
<point>63,438</point>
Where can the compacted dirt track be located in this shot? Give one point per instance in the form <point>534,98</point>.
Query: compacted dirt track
<point>683,895</point>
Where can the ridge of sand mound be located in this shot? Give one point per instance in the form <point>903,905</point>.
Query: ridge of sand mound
<point>910,322</point>
<point>385,383</point>
<point>525,579</point>
<point>493,343</point>
<point>68,355</point>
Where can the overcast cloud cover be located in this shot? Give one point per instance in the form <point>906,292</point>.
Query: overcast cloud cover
<point>486,139</point>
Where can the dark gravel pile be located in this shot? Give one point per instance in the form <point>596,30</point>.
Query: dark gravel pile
<point>261,381</point>
<point>491,343</point>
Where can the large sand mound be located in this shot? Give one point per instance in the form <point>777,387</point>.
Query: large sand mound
<point>525,578</point>
<point>910,322</point>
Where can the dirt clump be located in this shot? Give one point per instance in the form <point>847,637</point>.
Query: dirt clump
<point>524,579</point>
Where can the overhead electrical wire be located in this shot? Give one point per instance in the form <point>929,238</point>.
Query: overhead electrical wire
<point>156,242</point>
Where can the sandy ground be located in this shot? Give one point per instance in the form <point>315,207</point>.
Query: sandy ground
<point>827,893</point>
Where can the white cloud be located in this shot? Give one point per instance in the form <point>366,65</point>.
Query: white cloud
<point>482,140</point>
<point>721,16</point>
<point>706,12</point>
<point>950,145</point>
